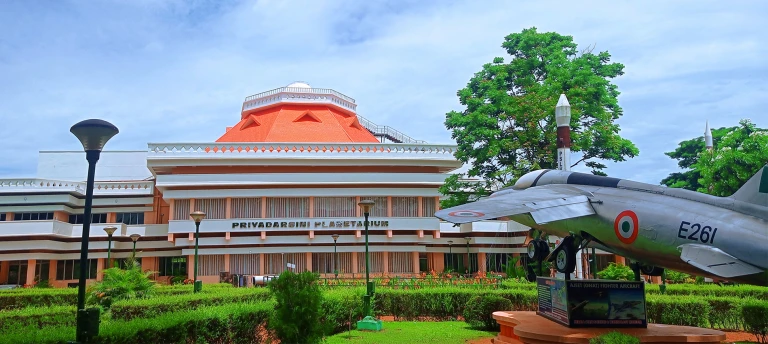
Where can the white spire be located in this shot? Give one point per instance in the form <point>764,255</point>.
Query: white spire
<point>563,112</point>
<point>708,137</point>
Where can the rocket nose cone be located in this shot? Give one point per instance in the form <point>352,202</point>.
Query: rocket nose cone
<point>563,101</point>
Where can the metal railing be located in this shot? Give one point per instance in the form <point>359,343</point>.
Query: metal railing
<point>388,132</point>
<point>300,90</point>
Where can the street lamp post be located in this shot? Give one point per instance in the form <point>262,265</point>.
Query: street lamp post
<point>369,322</point>
<point>135,237</point>
<point>335,256</point>
<point>110,230</point>
<point>93,135</point>
<point>197,216</point>
<point>450,254</point>
<point>469,261</point>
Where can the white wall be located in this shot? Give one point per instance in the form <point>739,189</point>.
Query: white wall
<point>112,166</point>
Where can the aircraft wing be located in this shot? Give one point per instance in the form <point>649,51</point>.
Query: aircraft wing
<point>545,204</point>
<point>715,261</point>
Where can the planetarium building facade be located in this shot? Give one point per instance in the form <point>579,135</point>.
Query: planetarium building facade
<point>280,190</point>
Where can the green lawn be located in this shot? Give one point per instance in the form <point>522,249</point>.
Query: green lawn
<point>402,332</point>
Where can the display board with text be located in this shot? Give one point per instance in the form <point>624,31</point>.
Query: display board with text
<point>592,303</point>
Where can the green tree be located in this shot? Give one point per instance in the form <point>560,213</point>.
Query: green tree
<point>509,128</point>
<point>736,158</point>
<point>297,313</point>
<point>687,154</point>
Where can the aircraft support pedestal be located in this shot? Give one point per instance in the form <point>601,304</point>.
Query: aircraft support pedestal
<point>527,327</point>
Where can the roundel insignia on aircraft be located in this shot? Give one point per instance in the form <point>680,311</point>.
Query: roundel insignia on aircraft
<point>626,226</point>
<point>466,213</point>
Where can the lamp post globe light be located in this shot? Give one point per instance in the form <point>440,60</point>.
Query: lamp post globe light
<point>198,216</point>
<point>135,237</point>
<point>93,134</point>
<point>110,230</point>
<point>369,322</point>
<point>335,256</point>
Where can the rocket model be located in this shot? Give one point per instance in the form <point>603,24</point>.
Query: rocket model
<point>563,119</point>
<point>707,137</point>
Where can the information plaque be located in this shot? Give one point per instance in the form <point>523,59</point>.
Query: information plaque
<point>592,303</point>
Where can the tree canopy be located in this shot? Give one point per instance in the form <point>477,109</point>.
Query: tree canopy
<point>508,127</point>
<point>687,154</point>
<point>739,153</point>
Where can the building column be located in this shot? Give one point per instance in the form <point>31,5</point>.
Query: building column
<point>619,260</point>
<point>309,261</point>
<point>100,268</point>
<point>438,261</point>
<point>354,262</point>
<point>4,267</point>
<point>59,216</point>
<point>9,216</point>
<point>262,264</point>
<point>415,262</point>
<point>111,217</point>
<point>228,208</point>
<point>385,262</point>
<point>31,271</point>
<point>52,270</point>
<point>191,266</point>
<point>481,257</point>
<point>226,263</point>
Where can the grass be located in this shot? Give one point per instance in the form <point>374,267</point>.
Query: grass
<point>403,332</point>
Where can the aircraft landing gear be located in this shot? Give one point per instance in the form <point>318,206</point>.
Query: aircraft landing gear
<point>538,250</point>
<point>564,254</point>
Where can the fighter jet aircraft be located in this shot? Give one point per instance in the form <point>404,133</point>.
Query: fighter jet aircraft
<point>655,226</point>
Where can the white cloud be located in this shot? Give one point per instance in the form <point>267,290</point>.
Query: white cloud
<point>178,71</point>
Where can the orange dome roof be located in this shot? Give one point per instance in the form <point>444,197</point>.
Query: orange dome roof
<point>298,123</point>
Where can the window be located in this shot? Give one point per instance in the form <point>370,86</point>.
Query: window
<point>423,262</point>
<point>2,217</point>
<point>121,262</point>
<point>42,268</point>
<point>173,266</point>
<point>70,269</point>
<point>286,207</point>
<point>77,219</point>
<point>17,272</point>
<point>130,218</point>
<point>32,216</point>
<point>496,261</point>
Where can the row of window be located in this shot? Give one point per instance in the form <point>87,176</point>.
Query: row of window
<point>298,207</point>
<point>127,218</point>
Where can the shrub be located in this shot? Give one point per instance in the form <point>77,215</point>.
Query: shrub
<point>617,272</point>
<point>341,309</point>
<point>444,303</point>
<point>677,310</point>
<point>232,323</point>
<point>297,313</point>
<point>37,317</point>
<point>614,338</point>
<point>119,284</point>
<point>147,308</point>
<point>756,319</point>
<point>479,310</point>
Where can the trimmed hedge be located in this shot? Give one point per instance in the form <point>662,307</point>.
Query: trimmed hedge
<point>677,310</point>
<point>232,323</point>
<point>146,308</point>
<point>479,311</point>
<point>443,303</point>
<point>37,317</point>
<point>39,297</point>
<point>755,315</point>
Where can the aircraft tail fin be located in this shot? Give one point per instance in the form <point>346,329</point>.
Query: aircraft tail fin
<point>755,190</point>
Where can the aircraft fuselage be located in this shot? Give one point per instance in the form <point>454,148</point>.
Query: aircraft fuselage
<point>649,227</point>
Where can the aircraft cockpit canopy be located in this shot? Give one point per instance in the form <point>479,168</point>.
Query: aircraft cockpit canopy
<point>528,179</point>
<point>542,177</point>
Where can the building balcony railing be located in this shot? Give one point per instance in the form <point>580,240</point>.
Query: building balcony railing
<point>35,185</point>
<point>299,95</point>
<point>299,149</point>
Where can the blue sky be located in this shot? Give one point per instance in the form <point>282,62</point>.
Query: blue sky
<point>178,71</point>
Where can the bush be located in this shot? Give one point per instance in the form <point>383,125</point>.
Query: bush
<point>232,323</point>
<point>677,310</point>
<point>479,310</point>
<point>37,317</point>
<point>119,284</point>
<point>147,308</point>
<point>756,319</point>
<point>614,338</point>
<point>297,313</point>
<point>617,272</point>
<point>444,303</point>
<point>341,309</point>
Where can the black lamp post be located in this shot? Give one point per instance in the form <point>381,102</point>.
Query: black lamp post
<point>335,256</point>
<point>198,216</point>
<point>93,135</point>
<point>469,261</point>
<point>450,254</point>
<point>135,237</point>
<point>110,230</point>
<point>369,322</point>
